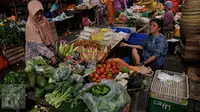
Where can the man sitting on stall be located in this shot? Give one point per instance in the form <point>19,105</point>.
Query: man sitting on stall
<point>39,37</point>
<point>168,17</point>
<point>154,48</point>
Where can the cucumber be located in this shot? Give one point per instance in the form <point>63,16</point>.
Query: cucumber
<point>32,79</point>
<point>50,87</point>
<point>41,81</point>
<point>40,93</point>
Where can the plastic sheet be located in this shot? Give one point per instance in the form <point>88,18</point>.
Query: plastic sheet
<point>114,101</point>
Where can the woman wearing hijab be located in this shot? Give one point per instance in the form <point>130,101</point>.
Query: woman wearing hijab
<point>168,17</point>
<point>39,37</point>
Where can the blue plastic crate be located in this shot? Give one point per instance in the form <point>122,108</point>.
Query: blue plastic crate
<point>125,30</point>
<point>137,38</point>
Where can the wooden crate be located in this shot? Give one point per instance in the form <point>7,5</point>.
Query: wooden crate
<point>14,54</point>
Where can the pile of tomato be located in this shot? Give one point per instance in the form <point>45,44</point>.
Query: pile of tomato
<point>107,70</point>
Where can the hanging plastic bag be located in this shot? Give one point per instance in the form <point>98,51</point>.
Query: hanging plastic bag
<point>177,30</point>
<point>115,101</point>
<point>3,63</point>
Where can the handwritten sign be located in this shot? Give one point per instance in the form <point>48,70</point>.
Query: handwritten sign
<point>164,106</point>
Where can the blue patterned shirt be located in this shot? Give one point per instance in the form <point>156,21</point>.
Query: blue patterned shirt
<point>155,46</point>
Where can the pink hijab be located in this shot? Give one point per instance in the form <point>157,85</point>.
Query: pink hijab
<point>36,31</point>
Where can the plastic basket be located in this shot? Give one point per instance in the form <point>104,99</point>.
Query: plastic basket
<point>173,92</point>
<point>137,38</point>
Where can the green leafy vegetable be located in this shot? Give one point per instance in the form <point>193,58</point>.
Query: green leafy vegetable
<point>18,77</point>
<point>125,70</point>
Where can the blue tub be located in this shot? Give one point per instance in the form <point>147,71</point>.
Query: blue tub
<point>125,30</point>
<point>137,38</point>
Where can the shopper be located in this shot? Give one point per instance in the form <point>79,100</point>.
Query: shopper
<point>120,5</point>
<point>154,48</point>
<point>110,11</point>
<point>39,37</point>
<point>168,17</point>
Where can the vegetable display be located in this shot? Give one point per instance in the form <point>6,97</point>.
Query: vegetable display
<point>108,71</point>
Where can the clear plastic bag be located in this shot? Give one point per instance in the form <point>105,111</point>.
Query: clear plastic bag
<point>114,101</point>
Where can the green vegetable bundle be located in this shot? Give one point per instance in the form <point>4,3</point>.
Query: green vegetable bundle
<point>18,77</point>
<point>66,91</point>
<point>10,35</point>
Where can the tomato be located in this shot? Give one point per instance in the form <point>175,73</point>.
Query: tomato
<point>114,67</point>
<point>113,63</point>
<point>91,75</point>
<point>99,80</point>
<point>102,69</point>
<point>93,79</point>
<point>96,75</point>
<point>98,71</point>
<point>116,71</point>
<point>108,65</point>
<point>103,76</point>
<point>108,77</point>
<point>113,72</point>
<point>104,73</point>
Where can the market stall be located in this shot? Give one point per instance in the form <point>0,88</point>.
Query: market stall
<point>81,76</point>
<point>91,73</point>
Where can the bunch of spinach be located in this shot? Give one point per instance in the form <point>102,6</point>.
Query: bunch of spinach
<point>18,77</point>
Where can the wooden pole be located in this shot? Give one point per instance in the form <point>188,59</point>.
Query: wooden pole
<point>15,9</point>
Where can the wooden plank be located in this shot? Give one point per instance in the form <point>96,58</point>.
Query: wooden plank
<point>143,28</point>
<point>192,48</point>
<point>188,56</point>
<point>13,49</point>
<point>16,56</point>
<point>16,60</point>
<point>15,52</point>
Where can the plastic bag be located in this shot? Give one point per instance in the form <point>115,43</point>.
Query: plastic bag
<point>114,101</point>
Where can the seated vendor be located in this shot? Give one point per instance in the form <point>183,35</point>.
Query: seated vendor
<point>168,17</point>
<point>154,47</point>
<point>38,33</point>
